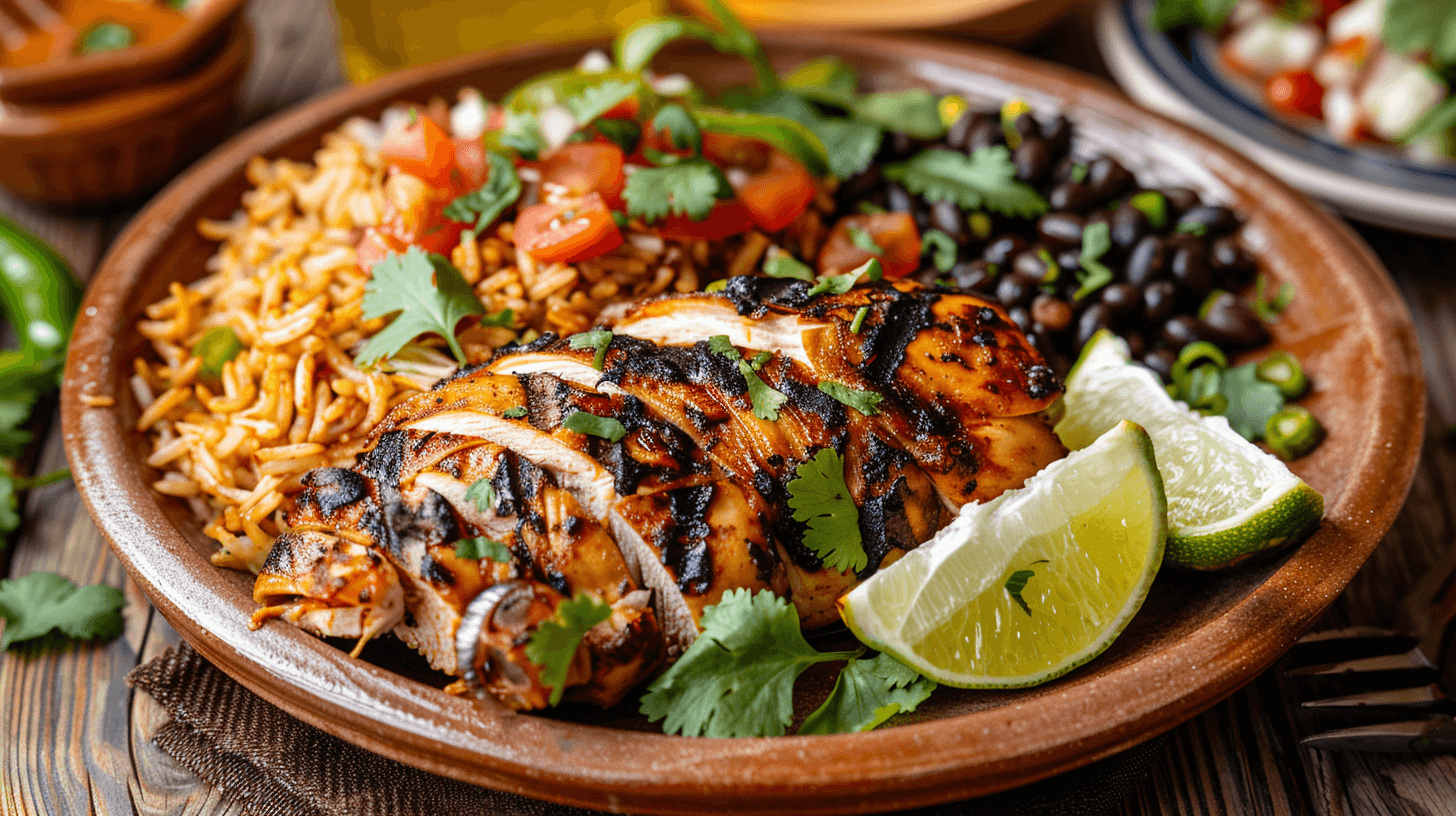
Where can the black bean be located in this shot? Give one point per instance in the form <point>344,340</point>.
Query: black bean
<point>1003,249</point>
<point>1041,339</point>
<point>1032,263</point>
<point>1097,217</point>
<point>922,218</point>
<point>1094,317</point>
<point>985,133</point>
<point>1060,230</point>
<point>1033,158</point>
<point>1180,199</point>
<point>1136,343</point>
<point>1231,322</point>
<point>1021,317</point>
<point>1066,168</point>
<point>946,217</point>
<point>1053,313</point>
<point>1181,330</point>
<point>1015,290</point>
<point>1161,361</point>
<point>1106,177</point>
<point>1070,260</point>
<point>973,276</point>
<point>899,146</point>
<point>858,187</point>
<point>1191,270</point>
<point>1058,134</point>
<point>1071,196</point>
<point>1027,126</point>
<point>960,132</point>
<point>898,199</point>
<point>1147,261</point>
<point>1122,298</point>
<point>1229,259</point>
<point>1160,300</point>
<point>1128,226</point>
<point>1208,220</point>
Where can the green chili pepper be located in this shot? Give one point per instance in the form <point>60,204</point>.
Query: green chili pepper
<point>1293,432</point>
<point>38,295</point>
<point>1284,371</point>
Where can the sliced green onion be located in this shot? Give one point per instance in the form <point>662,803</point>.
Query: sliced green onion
<point>1293,432</point>
<point>1207,305</point>
<point>1284,371</point>
<point>1053,272</point>
<point>859,319</point>
<point>1152,204</point>
<point>716,286</point>
<point>1202,351</point>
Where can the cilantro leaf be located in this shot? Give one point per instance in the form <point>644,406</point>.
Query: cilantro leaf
<point>1421,25</point>
<point>942,248</point>
<point>37,603</point>
<point>682,132</point>
<point>599,339</point>
<point>862,239</point>
<point>866,402</point>
<point>785,134</point>
<point>217,346</point>
<point>766,401</point>
<point>869,691</point>
<point>1208,14</point>
<point>1016,583</point>
<point>986,178</point>
<point>428,294</point>
<point>737,679</point>
<point>688,188</point>
<point>1251,401</point>
<point>500,190</point>
<point>820,498</point>
<point>780,264</point>
<point>482,493</point>
<point>829,80</point>
<point>915,112</point>
<point>554,643</point>
<point>607,428</point>
<point>850,145</point>
<point>515,412</point>
<point>520,132</point>
<point>595,100</point>
<point>1153,205</point>
<point>487,548</point>
<point>505,318</point>
<point>1269,308</point>
<point>1437,120</point>
<point>1093,275</point>
<point>839,284</point>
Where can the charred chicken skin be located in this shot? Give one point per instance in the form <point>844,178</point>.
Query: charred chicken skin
<point>688,501</point>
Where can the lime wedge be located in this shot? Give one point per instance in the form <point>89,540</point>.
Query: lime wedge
<point>1031,584</point>
<point>1227,500</point>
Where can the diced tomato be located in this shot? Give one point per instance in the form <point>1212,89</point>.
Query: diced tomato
<point>586,167</point>
<point>736,151</point>
<point>725,219</point>
<point>568,232</point>
<point>778,194</point>
<point>422,149</point>
<point>1328,7</point>
<point>1295,92</point>
<point>470,161</point>
<point>894,233</point>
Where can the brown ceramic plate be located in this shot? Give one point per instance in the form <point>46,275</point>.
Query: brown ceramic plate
<point>1198,638</point>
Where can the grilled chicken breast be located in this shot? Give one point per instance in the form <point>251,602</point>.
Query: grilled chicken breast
<point>688,502</point>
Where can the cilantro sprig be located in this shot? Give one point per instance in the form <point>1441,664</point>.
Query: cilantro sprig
<point>765,399</point>
<point>985,179</point>
<point>501,189</point>
<point>869,691</point>
<point>820,498</point>
<point>1421,25</point>
<point>780,264</point>
<point>597,339</point>
<point>427,295</point>
<point>483,548</point>
<point>839,284</point>
<point>553,645</point>
<point>737,679</point>
<point>1093,274</point>
<point>688,187</point>
<point>40,602</point>
<point>583,422</point>
<point>866,402</point>
<point>1270,307</point>
<point>482,494</point>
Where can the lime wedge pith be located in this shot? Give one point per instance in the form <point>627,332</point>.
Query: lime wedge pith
<point>1227,500</point>
<point>1031,584</point>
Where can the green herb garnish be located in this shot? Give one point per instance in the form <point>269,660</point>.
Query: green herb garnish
<point>474,549</point>
<point>780,264</point>
<point>861,238</point>
<point>1270,308</point>
<point>37,603</point>
<point>766,400</point>
<point>690,187</point>
<point>217,346</point>
<point>987,178</point>
<point>869,691</point>
<point>866,402</point>
<point>607,428</point>
<point>1093,275</point>
<point>942,249</point>
<point>554,643</point>
<point>105,36</point>
<point>839,284</point>
<point>482,495</point>
<point>820,498</point>
<point>426,294</point>
<point>501,189</point>
<point>598,339</point>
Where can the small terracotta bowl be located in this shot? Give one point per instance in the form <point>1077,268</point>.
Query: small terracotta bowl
<point>111,147</point>
<point>208,24</point>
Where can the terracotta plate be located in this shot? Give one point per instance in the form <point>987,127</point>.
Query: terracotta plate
<point>1197,639</point>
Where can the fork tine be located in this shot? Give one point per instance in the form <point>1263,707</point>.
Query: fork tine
<point>1334,645</point>
<point>1412,736</point>
<point>1419,698</point>
<point>1407,661</point>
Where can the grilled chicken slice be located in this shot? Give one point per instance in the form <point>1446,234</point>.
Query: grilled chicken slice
<point>689,501</point>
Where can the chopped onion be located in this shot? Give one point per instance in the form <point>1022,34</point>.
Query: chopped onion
<point>1398,92</point>
<point>594,62</point>
<point>1362,18</point>
<point>467,117</point>
<point>1270,45</point>
<point>557,125</point>
<point>1341,114</point>
<point>672,85</point>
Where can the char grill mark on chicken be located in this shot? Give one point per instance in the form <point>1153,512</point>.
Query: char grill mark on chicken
<point>692,499</point>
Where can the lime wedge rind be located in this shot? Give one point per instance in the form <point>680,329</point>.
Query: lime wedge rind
<point>943,609</point>
<point>1228,501</point>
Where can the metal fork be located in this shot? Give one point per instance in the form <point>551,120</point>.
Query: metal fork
<point>1408,674</point>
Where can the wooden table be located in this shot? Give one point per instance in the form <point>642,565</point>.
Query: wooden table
<point>74,739</point>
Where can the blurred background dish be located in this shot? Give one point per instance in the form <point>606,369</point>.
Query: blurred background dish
<point>1006,22</point>
<point>1183,76</point>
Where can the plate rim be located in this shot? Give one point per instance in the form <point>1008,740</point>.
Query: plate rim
<point>1369,201</point>
<point>549,759</point>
